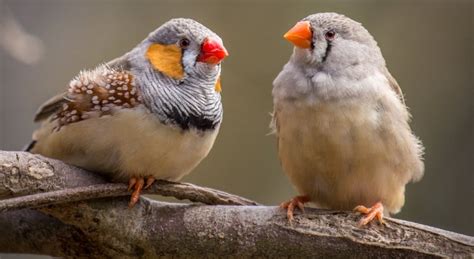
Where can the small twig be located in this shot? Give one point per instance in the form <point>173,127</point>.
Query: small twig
<point>181,191</point>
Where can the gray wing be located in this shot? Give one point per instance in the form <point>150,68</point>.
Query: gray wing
<point>47,109</point>
<point>50,107</point>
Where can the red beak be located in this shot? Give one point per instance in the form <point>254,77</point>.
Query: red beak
<point>212,52</point>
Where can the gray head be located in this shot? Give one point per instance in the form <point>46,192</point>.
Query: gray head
<point>176,68</point>
<point>332,42</point>
<point>334,58</point>
<point>178,49</point>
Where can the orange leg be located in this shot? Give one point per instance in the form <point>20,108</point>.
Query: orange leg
<point>375,211</point>
<point>135,183</point>
<point>296,202</point>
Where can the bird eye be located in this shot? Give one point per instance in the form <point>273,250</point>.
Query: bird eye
<point>330,35</point>
<point>184,43</point>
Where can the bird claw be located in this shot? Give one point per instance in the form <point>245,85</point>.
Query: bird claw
<point>149,181</point>
<point>131,183</point>
<point>137,185</point>
<point>296,202</point>
<point>371,213</point>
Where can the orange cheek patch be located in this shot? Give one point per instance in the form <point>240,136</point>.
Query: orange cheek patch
<point>166,59</point>
<point>218,87</point>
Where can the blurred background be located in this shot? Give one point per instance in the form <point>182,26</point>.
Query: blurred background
<point>428,46</point>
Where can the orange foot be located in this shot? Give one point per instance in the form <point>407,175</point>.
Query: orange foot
<point>296,202</point>
<point>375,211</point>
<point>137,183</point>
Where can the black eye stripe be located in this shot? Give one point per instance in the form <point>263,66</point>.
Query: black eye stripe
<point>329,36</point>
<point>328,49</point>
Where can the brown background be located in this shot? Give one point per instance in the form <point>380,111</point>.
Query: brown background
<point>428,46</point>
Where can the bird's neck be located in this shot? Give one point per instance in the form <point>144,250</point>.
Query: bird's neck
<point>191,103</point>
<point>320,85</point>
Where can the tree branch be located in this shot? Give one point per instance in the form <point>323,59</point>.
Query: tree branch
<point>24,173</point>
<point>181,191</point>
<point>107,228</point>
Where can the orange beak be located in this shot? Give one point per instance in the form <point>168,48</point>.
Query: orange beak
<point>300,35</point>
<point>212,52</point>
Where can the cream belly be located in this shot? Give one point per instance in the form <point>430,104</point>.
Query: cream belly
<point>345,154</point>
<point>132,142</point>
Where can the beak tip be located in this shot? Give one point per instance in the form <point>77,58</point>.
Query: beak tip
<point>212,51</point>
<point>300,35</point>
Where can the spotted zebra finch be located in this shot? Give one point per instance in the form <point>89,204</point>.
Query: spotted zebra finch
<point>341,121</point>
<point>153,113</point>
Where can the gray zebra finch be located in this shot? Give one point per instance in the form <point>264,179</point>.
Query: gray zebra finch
<point>341,121</point>
<point>153,113</point>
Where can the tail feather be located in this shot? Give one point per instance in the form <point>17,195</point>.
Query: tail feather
<point>29,147</point>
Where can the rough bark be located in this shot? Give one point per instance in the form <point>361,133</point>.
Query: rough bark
<point>106,227</point>
<point>23,173</point>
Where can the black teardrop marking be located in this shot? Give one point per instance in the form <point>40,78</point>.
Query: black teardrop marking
<point>328,49</point>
